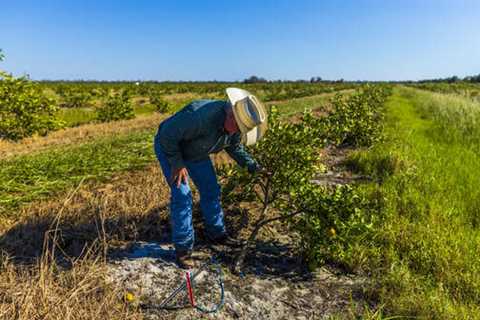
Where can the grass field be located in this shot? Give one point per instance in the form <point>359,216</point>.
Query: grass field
<point>428,173</point>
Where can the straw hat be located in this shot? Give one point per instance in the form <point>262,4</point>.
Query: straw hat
<point>249,113</point>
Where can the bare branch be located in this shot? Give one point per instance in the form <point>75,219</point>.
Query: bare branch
<point>253,235</point>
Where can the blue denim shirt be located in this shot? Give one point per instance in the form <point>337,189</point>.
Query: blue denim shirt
<point>196,131</point>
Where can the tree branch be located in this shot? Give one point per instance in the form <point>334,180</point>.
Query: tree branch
<point>238,264</point>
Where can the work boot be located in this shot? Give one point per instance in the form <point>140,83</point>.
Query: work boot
<point>184,259</point>
<point>226,240</point>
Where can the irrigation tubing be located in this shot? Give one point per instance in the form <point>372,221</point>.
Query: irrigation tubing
<point>188,284</point>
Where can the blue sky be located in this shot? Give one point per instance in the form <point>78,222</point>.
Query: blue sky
<point>233,39</point>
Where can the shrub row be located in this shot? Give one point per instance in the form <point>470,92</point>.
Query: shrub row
<point>290,154</point>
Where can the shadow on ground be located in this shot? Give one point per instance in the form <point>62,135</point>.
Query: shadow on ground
<point>75,235</point>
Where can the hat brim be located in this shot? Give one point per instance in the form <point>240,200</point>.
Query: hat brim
<point>249,136</point>
<point>254,135</point>
<point>236,94</point>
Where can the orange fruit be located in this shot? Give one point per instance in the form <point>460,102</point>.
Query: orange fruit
<point>332,232</point>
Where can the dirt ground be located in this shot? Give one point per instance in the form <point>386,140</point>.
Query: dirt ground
<point>274,285</point>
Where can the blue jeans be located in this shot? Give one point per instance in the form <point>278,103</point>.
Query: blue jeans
<point>203,175</point>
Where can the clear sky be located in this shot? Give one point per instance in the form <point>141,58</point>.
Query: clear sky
<point>233,39</point>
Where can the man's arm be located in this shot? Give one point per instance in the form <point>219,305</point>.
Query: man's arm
<point>238,153</point>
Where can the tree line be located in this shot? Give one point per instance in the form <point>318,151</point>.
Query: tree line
<point>453,79</point>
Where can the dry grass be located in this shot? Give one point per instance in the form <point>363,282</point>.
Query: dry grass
<point>131,206</point>
<point>53,262</point>
<point>77,135</point>
<point>44,291</point>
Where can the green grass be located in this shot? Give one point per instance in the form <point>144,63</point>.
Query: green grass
<point>144,109</point>
<point>429,173</point>
<point>76,116</point>
<point>31,177</point>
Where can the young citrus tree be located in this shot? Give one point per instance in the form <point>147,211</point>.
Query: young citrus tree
<point>76,98</point>
<point>24,108</point>
<point>290,155</point>
<point>117,107</point>
<point>161,105</point>
<point>358,120</point>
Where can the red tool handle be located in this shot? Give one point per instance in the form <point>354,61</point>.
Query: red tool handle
<point>189,288</point>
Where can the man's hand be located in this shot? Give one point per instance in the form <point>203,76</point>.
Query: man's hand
<point>264,172</point>
<point>179,175</point>
<point>258,169</point>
